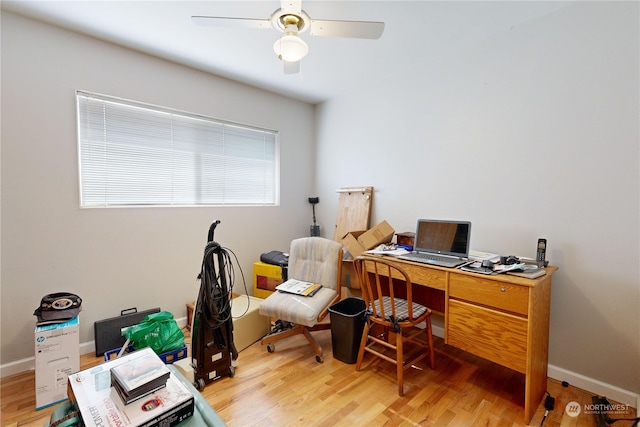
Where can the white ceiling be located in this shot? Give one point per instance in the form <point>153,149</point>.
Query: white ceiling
<point>416,33</point>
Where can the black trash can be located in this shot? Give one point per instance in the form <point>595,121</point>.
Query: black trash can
<point>347,324</point>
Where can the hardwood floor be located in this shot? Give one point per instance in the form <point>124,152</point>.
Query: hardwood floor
<point>289,388</point>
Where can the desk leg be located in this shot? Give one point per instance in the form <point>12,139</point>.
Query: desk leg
<point>538,348</point>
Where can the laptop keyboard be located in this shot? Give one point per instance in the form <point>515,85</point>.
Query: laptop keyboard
<point>427,258</point>
<point>431,257</point>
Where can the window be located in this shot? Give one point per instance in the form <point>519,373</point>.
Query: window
<point>134,154</point>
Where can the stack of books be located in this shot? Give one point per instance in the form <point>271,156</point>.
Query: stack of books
<point>141,374</point>
<point>101,404</point>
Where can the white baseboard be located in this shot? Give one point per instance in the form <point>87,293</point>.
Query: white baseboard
<point>17,367</point>
<point>438,331</point>
<point>600,388</point>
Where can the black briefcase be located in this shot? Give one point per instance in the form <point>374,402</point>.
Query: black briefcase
<point>108,332</point>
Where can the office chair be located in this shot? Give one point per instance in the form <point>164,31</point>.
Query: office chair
<point>311,259</point>
<point>391,308</point>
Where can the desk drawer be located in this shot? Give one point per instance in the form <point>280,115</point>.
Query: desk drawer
<point>490,293</point>
<point>431,277</point>
<point>493,335</point>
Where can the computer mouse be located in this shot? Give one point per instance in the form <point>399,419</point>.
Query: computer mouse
<point>488,264</point>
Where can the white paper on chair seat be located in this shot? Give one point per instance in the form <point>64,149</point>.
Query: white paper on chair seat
<point>299,287</point>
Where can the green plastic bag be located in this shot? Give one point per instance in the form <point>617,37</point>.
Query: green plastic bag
<point>158,331</point>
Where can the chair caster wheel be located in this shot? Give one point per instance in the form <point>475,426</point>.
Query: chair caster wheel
<point>199,384</point>
<point>319,358</point>
<point>232,371</point>
<point>271,348</point>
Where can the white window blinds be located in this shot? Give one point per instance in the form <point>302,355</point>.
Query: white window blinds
<point>134,154</point>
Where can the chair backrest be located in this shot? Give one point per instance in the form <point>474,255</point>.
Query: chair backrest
<point>316,259</point>
<point>387,290</point>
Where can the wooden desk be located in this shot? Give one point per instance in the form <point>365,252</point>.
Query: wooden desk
<point>501,318</point>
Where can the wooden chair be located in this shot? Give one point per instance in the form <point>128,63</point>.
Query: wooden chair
<point>387,291</point>
<point>311,259</point>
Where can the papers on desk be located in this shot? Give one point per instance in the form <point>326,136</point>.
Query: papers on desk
<point>476,267</point>
<point>529,271</point>
<point>506,268</point>
<point>392,250</point>
<point>482,256</point>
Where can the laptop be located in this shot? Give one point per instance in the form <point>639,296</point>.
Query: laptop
<point>440,242</point>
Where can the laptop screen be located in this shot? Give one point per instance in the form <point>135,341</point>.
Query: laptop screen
<point>443,237</point>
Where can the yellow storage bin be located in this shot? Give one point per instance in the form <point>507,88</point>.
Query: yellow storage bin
<point>265,279</point>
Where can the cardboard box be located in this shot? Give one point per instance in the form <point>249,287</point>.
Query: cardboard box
<point>356,242</point>
<point>350,293</point>
<point>349,277</point>
<point>248,325</point>
<point>381,233</point>
<point>351,244</point>
<point>265,278</point>
<point>191,308</point>
<point>100,405</point>
<point>57,354</point>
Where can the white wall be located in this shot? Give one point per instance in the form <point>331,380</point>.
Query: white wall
<point>537,129</point>
<point>120,258</point>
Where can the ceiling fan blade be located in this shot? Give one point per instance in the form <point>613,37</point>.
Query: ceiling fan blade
<point>291,6</point>
<point>291,67</point>
<point>352,29</point>
<point>219,21</point>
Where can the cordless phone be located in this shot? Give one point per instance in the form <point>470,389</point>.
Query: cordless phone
<point>541,253</point>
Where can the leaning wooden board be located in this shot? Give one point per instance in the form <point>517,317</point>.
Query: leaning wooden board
<point>354,208</point>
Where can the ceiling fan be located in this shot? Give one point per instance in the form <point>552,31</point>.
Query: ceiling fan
<point>291,20</point>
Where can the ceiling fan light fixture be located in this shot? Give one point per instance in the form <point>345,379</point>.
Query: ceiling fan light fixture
<point>292,21</point>
<point>290,48</point>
